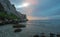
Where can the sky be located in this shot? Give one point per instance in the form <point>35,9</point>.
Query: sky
<point>39,9</point>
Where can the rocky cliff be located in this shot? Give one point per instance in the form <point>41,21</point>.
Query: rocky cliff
<point>6,6</point>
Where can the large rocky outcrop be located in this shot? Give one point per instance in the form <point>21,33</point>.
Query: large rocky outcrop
<point>6,6</point>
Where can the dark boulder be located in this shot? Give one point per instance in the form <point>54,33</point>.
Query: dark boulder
<point>42,35</point>
<point>58,35</point>
<point>36,36</point>
<point>19,26</point>
<point>17,30</point>
<point>52,35</point>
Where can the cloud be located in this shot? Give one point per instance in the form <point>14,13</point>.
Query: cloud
<point>34,2</point>
<point>40,9</point>
<point>48,8</point>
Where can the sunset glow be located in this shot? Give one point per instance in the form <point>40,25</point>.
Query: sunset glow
<point>27,7</point>
<point>24,5</point>
<point>30,17</point>
<point>37,18</point>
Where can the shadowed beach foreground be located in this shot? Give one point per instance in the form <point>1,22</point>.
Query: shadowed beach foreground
<point>47,28</point>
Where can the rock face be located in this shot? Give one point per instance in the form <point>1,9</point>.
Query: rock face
<point>1,7</point>
<point>5,5</point>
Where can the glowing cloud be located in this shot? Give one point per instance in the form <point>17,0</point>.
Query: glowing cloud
<point>28,6</point>
<point>23,5</point>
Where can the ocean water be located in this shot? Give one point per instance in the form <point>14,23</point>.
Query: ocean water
<point>32,27</point>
